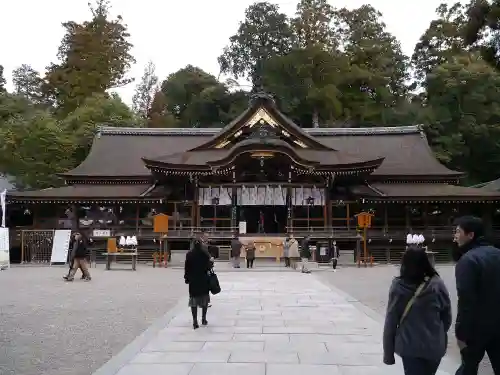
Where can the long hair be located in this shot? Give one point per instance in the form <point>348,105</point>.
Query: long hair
<point>415,266</point>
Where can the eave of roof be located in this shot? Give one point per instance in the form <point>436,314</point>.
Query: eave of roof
<point>423,192</point>
<point>328,132</point>
<point>86,193</point>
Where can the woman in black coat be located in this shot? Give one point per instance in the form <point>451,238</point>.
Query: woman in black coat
<point>198,264</point>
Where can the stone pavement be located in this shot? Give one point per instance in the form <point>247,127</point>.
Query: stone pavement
<point>262,323</point>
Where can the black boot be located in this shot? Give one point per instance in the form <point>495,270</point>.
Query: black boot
<point>194,313</point>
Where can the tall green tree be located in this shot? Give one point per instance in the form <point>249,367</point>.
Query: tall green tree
<point>28,83</point>
<point>378,68</point>
<point>482,29</point>
<point>464,116</point>
<point>94,57</point>
<point>34,148</point>
<point>306,83</point>
<point>97,110</point>
<point>264,33</point>
<point>196,98</point>
<point>312,24</point>
<point>3,81</point>
<point>158,114</point>
<point>442,40</point>
<point>145,91</point>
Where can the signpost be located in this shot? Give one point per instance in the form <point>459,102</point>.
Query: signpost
<point>364,222</point>
<point>160,225</point>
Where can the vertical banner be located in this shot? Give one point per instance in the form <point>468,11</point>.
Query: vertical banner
<point>4,249</point>
<point>3,195</point>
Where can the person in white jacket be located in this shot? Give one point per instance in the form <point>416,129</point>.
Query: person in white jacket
<point>293,251</point>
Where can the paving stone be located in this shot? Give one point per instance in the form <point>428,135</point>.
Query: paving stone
<point>261,337</point>
<point>280,369</point>
<point>257,329</point>
<point>235,346</point>
<point>274,324</point>
<point>156,369</point>
<point>314,347</point>
<point>227,369</point>
<point>160,345</point>
<point>263,357</point>
<point>207,356</point>
<point>340,357</point>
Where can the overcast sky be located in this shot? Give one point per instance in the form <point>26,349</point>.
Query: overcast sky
<point>171,33</point>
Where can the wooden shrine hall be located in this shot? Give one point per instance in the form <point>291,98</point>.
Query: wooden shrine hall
<point>262,175</point>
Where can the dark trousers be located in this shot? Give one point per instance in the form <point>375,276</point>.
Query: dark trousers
<point>420,366</point>
<point>287,262</point>
<point>250,263</point>
<point>472,356</point>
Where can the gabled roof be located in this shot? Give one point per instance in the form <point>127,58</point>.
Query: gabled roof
<point>117,152</point>
<point>201,159</point>
<point>262,110</point>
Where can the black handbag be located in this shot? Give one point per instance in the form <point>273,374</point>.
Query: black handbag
<point>213,282</point>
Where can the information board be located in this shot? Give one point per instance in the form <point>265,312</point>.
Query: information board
<point>60,246</point>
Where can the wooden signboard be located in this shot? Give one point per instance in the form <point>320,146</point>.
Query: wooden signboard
<point>161,223</point>
<point>112,248</point>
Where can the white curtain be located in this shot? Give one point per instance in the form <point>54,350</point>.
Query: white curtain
<point>261,196</point>
<point>301,194</point>
<point>207,194</point>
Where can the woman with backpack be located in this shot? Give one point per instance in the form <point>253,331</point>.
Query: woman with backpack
<point>418,316</point>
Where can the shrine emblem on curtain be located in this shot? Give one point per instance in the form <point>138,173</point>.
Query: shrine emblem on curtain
<point>300,196</point>
<point>207,194</point>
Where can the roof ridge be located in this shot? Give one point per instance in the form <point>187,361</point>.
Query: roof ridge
<point>385,130</point>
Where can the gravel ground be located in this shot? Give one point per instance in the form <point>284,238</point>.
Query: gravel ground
<point>49,327</point>
<point>371,287</point>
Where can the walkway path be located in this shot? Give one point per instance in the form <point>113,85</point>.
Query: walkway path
<point>262,323</point>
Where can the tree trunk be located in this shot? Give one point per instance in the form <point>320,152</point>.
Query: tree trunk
<point>315,118</point>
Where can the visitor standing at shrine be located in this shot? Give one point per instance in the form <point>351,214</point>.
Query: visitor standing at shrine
<point>477,274</point>
<point>236,251</point>
<point>305,254</point>
<point>250,254</point>
<point>418,316</point>
<point>196,268</point>
<point>293,251</point>
<point>286,250</point>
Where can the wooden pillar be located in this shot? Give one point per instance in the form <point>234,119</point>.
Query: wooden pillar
<point>195,211</point>
<point>348,215</point>
<point>289,191</point>
<point>74,217</point>
<point>386,219</point>
<point>407,218</point>
<point>328,208</point>
<point>137,214</point>
<point>34,213</point>
<point>425,215</point>
<point>234,207</point>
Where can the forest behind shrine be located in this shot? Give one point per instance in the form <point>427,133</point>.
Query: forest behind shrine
<point>325,67</point>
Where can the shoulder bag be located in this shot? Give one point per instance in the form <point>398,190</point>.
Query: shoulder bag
<point>213,282</point>
<point>410,303</point>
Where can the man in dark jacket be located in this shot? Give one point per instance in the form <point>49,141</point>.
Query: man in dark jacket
<point>78,254</point>
<point>70,260</point>
<point>477,274</point>
<point>305,254</point>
